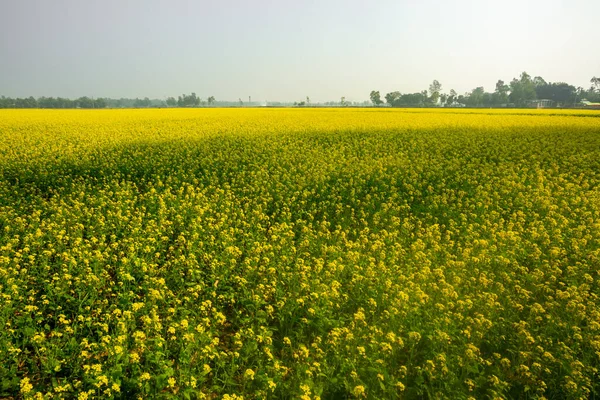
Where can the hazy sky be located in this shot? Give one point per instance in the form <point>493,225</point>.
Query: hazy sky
<point>287,50</point>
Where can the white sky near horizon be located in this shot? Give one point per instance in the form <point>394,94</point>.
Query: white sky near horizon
<point>287,50</point>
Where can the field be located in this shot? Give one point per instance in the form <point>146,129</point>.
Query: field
<point>289,253</point>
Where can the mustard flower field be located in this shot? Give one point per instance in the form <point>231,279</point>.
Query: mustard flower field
<point>299,254</point>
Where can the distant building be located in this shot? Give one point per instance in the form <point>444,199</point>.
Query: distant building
<point>542,103</point>
<point>590,105</point>
<point>455,104</point>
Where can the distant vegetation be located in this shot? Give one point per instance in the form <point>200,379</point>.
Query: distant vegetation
<point>524,91</point>
<point>184,100</point>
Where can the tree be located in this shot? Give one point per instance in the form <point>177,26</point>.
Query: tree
<point>426,98</point>
<point>376,98</point>
<point>475,99</point>
<point>392,97</point>
<point>516,92</point>
<point>46,102</point>
<point>145,102</point>
<point>522,90</point>
<point>434,89</point>
<point>539,81</point>
<point>452,97</point>
<point>579,93</point>
<point>188,101</point>
<point>500,95</point>
<point>592,95</point>
<point>487,99</point>
<point>99,103</point>
<point>343,101</point>
<point>528,86</point>
<point>560,92</point>
<point>595,84</point>
<point>85,102</point>
<point>211,100</point>
<point>501,87</point>
<point>396,99</point>
<point>307,100</point>
<point>171,102</point>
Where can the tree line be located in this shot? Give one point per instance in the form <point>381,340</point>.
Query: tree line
<point>184,100</point>
<point>51,102</point>
<point>524,91</point>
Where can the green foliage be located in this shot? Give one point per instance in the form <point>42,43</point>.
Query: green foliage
<point>434,89</point>
<point>397,99</point>
<point>376,98</point>
<point>188,100</point>
<point>522,90</point>
<point>562,93</point>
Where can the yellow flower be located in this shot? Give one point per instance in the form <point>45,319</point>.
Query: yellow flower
<point>26,386</point>
<point>358,391</point>
<point>249,374</point>
<point>102,380</point>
